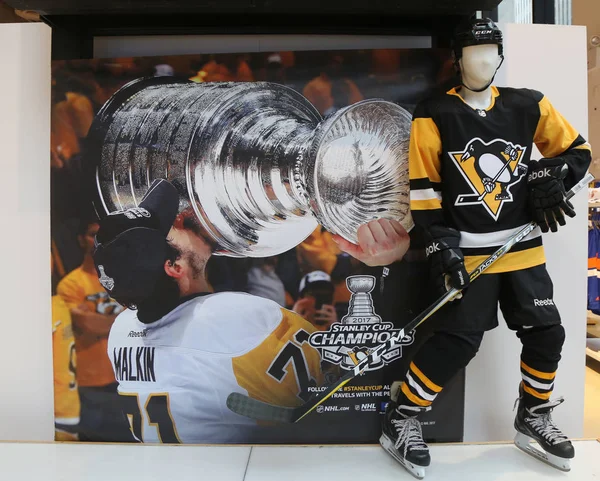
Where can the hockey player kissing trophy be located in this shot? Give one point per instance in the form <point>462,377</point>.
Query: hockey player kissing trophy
<point>474,185</point>
<point>185,171</point>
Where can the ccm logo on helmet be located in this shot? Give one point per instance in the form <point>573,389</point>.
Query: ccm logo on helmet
<point>543,302</point>
<point>539,174</point>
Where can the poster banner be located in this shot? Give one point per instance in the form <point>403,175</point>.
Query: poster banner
<point>219,182</point>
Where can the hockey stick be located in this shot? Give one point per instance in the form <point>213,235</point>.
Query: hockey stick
<point>258,410</point>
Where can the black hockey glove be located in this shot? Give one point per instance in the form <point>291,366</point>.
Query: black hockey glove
<point>547,196</point>
<point>447,261</point>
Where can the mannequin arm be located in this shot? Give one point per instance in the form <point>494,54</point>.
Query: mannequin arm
<point>424,169</point>
<point>555,137</point>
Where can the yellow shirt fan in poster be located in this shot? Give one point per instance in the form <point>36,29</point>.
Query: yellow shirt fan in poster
<point>66,397</point>
<point>79,288</point>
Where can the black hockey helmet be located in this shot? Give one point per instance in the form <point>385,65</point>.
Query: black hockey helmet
<point>476,31</point>
<point>131,245</point>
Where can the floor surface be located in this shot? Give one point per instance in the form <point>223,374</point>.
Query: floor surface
<point>88,462</point>
<point>591,426</point>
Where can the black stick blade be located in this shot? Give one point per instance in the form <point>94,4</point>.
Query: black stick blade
<point>258,410</point>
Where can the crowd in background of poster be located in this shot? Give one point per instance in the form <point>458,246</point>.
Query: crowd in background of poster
<point>310,279</point>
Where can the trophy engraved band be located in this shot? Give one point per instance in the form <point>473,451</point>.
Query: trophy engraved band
<point>257,164</point>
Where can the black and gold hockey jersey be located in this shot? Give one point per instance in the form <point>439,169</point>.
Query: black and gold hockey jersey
<point>468,169</point>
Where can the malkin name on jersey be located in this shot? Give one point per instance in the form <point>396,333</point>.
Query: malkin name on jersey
<point>134,364</point>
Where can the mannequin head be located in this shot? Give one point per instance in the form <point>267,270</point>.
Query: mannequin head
<point>478,52</point>
<point>478,65</point>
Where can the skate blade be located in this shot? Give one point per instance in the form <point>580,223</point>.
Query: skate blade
<point>523,442</point>
<point>388,445</point>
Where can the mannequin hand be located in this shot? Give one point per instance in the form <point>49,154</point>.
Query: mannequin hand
<point>547,196</point>
<point>447,261</point>
<point>380,242</point>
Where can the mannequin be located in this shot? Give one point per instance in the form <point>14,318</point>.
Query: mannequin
<point>473,184</point>
<point>479,64</point>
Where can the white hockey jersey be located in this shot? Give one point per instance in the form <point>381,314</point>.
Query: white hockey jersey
<point>175,374</point>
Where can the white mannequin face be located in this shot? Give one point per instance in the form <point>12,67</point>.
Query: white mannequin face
<point>478,65</point>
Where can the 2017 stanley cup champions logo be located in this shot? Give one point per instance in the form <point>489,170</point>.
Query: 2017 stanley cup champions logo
<point>360,331</point>
<point>491,169</point>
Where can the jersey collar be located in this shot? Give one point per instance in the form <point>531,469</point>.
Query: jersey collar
<point>148,317</point>
<point>495,93</point>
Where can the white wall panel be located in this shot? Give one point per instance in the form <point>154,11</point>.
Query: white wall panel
<point>515,11</point>
<point>26,376</point>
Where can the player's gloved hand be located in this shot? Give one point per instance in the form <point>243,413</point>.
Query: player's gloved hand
<point>447,260</point>
<point>547,196</point>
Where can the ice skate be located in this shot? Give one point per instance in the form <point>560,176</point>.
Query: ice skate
<point>535,424</point>
<point>402,438</point>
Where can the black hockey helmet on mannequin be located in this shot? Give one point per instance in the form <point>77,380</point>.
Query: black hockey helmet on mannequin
<point>477,31</point>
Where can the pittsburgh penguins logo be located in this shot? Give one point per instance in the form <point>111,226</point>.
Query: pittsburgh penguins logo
<point>357,354</point>
<point>491,169</point>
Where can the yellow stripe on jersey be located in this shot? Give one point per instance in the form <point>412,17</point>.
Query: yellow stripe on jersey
<point>536,373</point>
<point>544,396</point>
<point>280,367</point>
<point>554,134</point>
<point>425,150</point>
<point>424,379</point>
<point>509,262</point>
<point>414,398</point>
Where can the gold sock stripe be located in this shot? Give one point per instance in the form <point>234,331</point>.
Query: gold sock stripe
<point>424,379</point>
<point>533,382</point>
<point>534,393</point>
<point>412,397</point>
<point>536,373</point>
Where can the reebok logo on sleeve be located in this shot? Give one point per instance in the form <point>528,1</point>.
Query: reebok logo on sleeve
<point>543,302</point>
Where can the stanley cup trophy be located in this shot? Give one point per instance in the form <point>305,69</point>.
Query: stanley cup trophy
<point>255,162</point>
<point>360,310</point>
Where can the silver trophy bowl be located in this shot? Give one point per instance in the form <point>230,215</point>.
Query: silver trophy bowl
<point>255,162</point>
<point>360,284</point>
